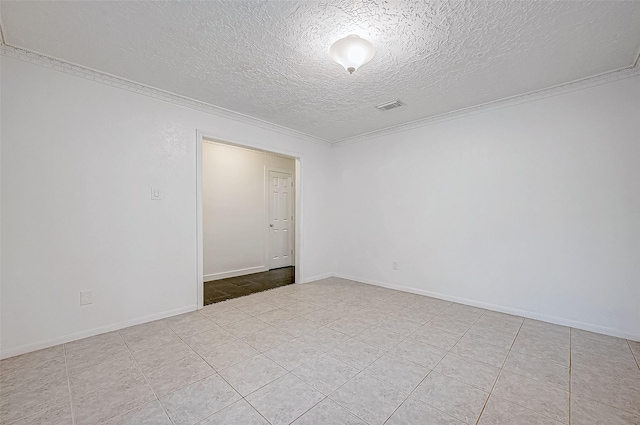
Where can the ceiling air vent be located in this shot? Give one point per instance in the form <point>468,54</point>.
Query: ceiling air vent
<point>390,105</point>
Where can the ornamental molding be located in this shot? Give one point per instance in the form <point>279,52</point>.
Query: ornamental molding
<point>39,59</point>
<point>45,61</point>
<point>583,83</point>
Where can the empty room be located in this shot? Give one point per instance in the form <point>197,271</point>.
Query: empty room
<point>274,212</point>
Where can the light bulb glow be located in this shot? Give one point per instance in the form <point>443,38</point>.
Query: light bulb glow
<point>352,52</point>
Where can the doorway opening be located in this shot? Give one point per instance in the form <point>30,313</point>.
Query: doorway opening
<point>249,219</point>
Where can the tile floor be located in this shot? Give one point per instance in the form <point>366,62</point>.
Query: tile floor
<point>330,352</point>
<point>234,287</point>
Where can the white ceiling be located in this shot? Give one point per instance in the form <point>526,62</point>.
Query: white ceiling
<point>269,59</point>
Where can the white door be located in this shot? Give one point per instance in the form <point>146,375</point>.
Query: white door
<point>280,220</point>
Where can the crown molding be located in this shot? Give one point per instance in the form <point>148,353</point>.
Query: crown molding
<point>583,83</point>
<point>39,59</point>
<point>45,61</point>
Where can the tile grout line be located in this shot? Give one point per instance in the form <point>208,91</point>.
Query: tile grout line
<point>66,366</point>
<point>500,372</point>
<point>430,369</point>
<point>145,380</point>
<point>636,358</point>
<point>570,370</point>
<point>218,374</point>
<point>438,362</point>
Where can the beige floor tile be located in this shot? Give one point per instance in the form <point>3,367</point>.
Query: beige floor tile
<point>541,370</point>
<point>436,337</point>
<point>506,324</point>
<point>455,398</point>
<point>349,325</point>
<point>292,354</point>
<point>418,352</point>
<point>322,316</point>
<point>323,338</point>
<point>480,351</point>
<point>225,355</point>
<point>275,317</point>
<point>110,373</point>
<point>266,339</point>
<point>399,325</point>
<point>369,399</point>
<point>471,372</point>
<point>297,326</point>
<point>400,373</point>
<point>257,308</point>
<point>15,380</point>
<point>415,314</point>
<point>148,336</point>
<point>249,375</point>
<point>151,413</point>
<point>206,341</point>
<point>491,335</point>
<point>542,398</point>
<point>450,325</point>
<point>106,403</point>
<point>355,353</point>
<point>182,372</point>
<point>328,413</point>
<point>163,355</point>
<point>193,324</point>
<point>604,365</point>
<point>379,337</point>
<point>28,401</point>
<point>284,400</point>
<point>413,412</point>
<point>325,373</point>
<point>300,308</point>
<point>32,359</point>
<point>585,411</point>
<point>240,412</point>
<point>245,327</point>
<point>199,400</point>
<point>88,358</point>
<point>45,415</point>
<point>541,349</point>
<point>622,392</point>
<point>550,334</point>
<point>502,412</point>
<point>222,318</point>
<point>95,343</point>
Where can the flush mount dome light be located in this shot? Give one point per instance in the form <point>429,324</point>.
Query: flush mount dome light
<point>351,52</point>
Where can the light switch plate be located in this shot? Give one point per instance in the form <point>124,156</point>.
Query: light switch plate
<point>156,195</point>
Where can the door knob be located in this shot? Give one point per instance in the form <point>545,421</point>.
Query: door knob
<point>271,225</point>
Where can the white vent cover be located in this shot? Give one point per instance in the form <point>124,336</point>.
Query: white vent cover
<point>390,105</point>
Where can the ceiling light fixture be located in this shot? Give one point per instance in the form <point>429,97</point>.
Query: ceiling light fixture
<point>352,52</point>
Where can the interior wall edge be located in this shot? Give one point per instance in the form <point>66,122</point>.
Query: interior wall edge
<point>318,277</point>
<point>499,308</point>
<point>93,332</point>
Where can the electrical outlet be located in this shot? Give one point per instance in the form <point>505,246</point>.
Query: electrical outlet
<point>395,265</point>
<point>86,297</point>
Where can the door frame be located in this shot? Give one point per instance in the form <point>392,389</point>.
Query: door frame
<point>267,203</point>
<point>298,213</point>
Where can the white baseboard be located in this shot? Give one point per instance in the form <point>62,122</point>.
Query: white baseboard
<point>502,309</point>
<point>317,277</point>
<point>92,332</point>
<point>234,273</point>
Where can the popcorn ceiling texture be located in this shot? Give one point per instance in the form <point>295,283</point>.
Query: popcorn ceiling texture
<point>270,60</point>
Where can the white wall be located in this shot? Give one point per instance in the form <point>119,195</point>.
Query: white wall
<point>533,209</point>
<point>234,210</point>
<point>78,162</point>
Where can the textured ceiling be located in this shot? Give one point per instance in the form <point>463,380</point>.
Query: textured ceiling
<point>269,59</point>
